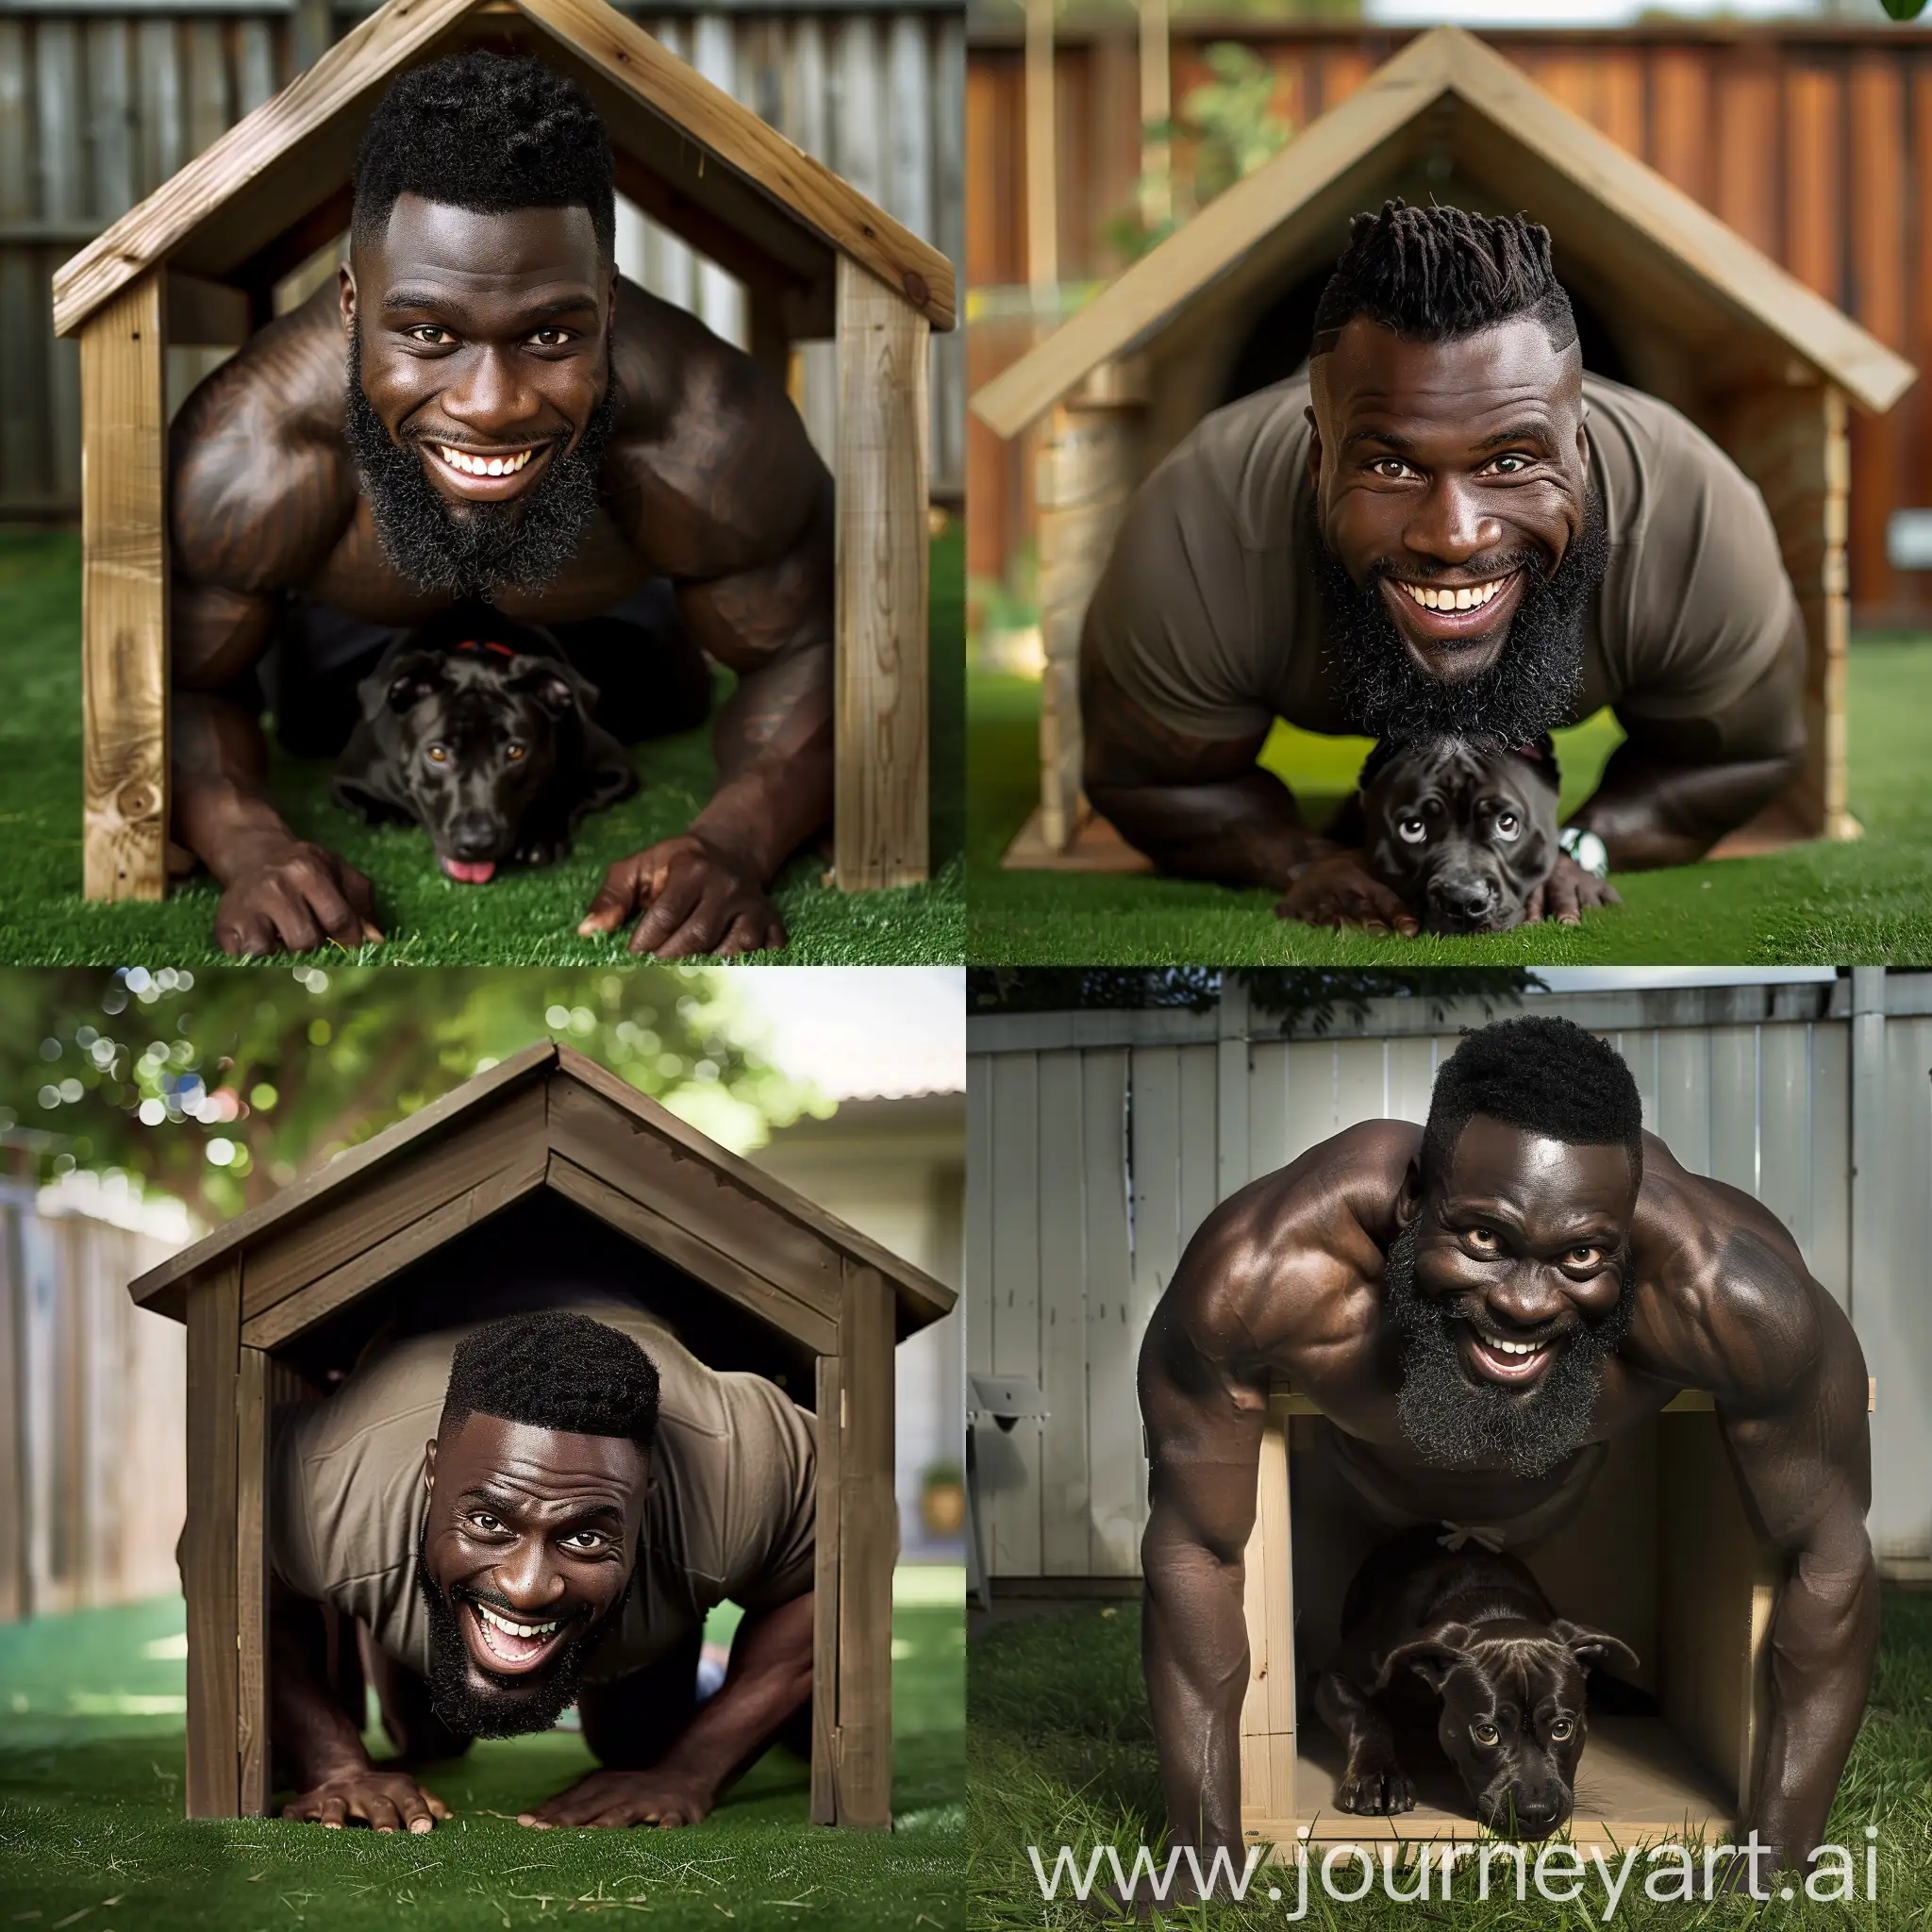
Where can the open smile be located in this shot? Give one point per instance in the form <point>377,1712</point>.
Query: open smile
<point>484,476</point>
<point>1438,620</point>
<point>506,1647</point>
<point>1515,1363</point>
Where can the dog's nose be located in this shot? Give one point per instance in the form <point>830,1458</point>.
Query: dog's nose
<point>1536,1815</point>
<point>1466,898</point>
<point>472,836</point>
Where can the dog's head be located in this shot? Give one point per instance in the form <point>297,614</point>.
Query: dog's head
<point>1513,1722</point>
<point>1464,832</point>
<point>470,725</point>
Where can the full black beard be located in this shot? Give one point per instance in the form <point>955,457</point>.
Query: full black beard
<point>1531,688</point>
<point>1459,1422</point>
<point>484,547</point>
<point>523,1704</point>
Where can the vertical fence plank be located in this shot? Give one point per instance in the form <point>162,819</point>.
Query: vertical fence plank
<point>827,1526</point>
<point>1116,1462</point>
<point>1011,1460</point>
<point>1831,1253</point>
<point>1814,232</point>
<point>1747,185</point>
<point>1680,120</point>
<point>16,1589</point>
<point>1064,1495</point>
<point>1879,160</point>
<point>1785,1148</point>
<point>251,1582</point>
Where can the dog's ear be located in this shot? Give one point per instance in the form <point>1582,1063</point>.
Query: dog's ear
<point>1431,1656</point>
<point>1594,1649</point>
<point>404,683</point>
<point>557,687</point>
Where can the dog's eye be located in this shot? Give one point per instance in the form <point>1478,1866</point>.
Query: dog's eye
<point>514,751</point>
<point>1561,1729</point>
<point>1485,1734</point>
<point>437,753</point>
<point>1413,831</point>
<point>1508,825</point>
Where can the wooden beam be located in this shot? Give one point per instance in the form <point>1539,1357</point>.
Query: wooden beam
<point>209,1546</point>
<point>879,735</point>
<point>1268,1714</point>
<point>206,314</point>
<point>124,597</point>
<point>1157,111</point>
<point>868,1540</point>
<point>828,1517</point>
<point>1043,169</point>
<point>251,1582</point>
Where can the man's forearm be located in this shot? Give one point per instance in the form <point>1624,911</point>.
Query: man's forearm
<point>768,1679</point>
<point>315,1737</point>
<point>1822,1641</point>
<point>1239,831</point>
<point>775,762</point>
<point>1650,813</point>
<point>222,809</point>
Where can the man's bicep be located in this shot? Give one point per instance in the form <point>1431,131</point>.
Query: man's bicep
<point>1126,746</point>
<point>1764,720</point>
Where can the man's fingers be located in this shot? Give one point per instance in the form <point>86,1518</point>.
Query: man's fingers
<point>745,936</point>
<point>700,934</point>
<point>617,897</point>
<point>1560,900</point>
<point>247,937</point>
<point>378,1812</point>
<point>436,1806</point>
<point>413,1809</point>
<point>295,927</point>
<point>669,910</point>
<point>332,1813</point>
<point>331,909</point>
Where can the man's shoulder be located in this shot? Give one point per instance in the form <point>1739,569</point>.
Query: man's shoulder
<point>1638,435</point>
<point>1241,461</point>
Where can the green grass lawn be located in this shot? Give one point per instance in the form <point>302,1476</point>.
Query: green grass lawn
<point>92,1834</point>
<point>523,919</point>
<point>1869,900</point>
<point>1061,1751</point>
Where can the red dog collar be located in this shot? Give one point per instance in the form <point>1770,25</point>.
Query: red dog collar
<point>501,650</point>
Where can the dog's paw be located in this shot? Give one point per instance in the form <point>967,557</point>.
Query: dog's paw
<point>1376,1793</point>
<point>542,851</point>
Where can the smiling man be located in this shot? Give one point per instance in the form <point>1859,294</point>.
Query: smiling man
<point>1475,1307</point>
<point>1444,527</point>
<point>526,1515</point>
<point>482,408</point>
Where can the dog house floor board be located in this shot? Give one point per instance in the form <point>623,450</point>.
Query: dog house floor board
<point>1636,1781</point>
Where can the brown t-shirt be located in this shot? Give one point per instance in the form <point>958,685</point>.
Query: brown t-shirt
<point>730,1515</point>
<point>1209,614</point>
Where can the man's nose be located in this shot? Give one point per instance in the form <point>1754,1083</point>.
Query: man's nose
<point>528,1579</point>
<point>1526,1296</point>
<point>494,398</point>
<point>1451,526</point>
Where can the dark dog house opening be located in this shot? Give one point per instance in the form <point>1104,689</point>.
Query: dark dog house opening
<point>1660,1553</point>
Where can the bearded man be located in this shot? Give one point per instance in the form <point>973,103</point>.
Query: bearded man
<point>1443,527</point>
<point>1474,1306</point>
<point>524,1515</point>
<point>481,407</point>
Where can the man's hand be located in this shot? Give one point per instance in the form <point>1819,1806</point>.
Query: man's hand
<point>626,1797</point>
<point>1338,890</point>
<point>289,897</point>
<point>695,898</point>
<point>1567,894</point>
<point>383,1800</point>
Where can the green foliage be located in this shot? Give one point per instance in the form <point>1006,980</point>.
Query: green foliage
<point>1229,126</point>
<point>1904,9</point>
<point>222,1086</point>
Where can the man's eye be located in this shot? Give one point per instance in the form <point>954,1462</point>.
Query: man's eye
<point>1412,831</point>
<point>1392,469</point>
<point>437,753</point>
<point>552,337</point>
<point>1508,826</point>
<point>429,332</point>
<point>487,1524</point>
<point>1518,463</point>
<point>581,1539</point>
<point>1484,1239</point>
<point>1583,1258</point>
<point>1485,1734</point>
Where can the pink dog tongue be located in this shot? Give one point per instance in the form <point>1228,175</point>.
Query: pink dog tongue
<point>475,871</point>
<point>511,1649</point>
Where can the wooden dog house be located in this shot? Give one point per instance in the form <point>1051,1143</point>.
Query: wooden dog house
<point>546,1156</point>
<point>1668,299</point>
<point>196,263</point>
<point>1660,1553</point>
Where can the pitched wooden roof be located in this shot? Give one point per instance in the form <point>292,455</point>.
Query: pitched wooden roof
<point>545,1118</point>
<point>275,186</point>
<point>1447,98</point>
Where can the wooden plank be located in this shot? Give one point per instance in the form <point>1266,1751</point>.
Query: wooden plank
<point>1617,109</point>
<point>1065,1545</point>
<point>1879,154</point>
<point>1011,1460</point>
<point>1062,753</point>
<point>696,1257</point>
<point>1090,457</point>
<point>879,733</point>
<point>16,1590</point>
<point>1268,1712</point>
<point>208,1550</point>
<point>868,1540</point>
<point>206,313</point>
<point>124,597</point>
<point>827,1519</point>
<point>296,1312</point>
<point>1116,1464</point>
<point>1746,188</point>
<point>1043,156</point>
<point>1680,121</point>
<point>251,1582</point>
<point>1814,238</point>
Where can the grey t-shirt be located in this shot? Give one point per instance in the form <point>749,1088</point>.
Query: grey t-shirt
<point>1209,614</point>
<point>730,1514</point>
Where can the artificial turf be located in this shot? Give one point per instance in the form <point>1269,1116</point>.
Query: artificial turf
<point>1059,1751</point>
<point>525,918</point>
<point>92,1834</point>
<point>1866,901</point>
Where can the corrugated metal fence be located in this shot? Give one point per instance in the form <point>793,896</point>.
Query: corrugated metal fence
<point>93,1395</point>
<point>1098,1141</point>
<point>1814,142</point>
<point>102,100</point>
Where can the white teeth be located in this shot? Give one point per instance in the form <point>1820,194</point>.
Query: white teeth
<point>489,1616</point>
<point>481,466</point>
<point>1514,1347</point>
<point>1461,598</point>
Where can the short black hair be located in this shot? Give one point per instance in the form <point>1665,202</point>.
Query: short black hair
<point>1436,274</point>
<point>487,132</point>
<point>556,1370</point>
<point>1547,1077</point>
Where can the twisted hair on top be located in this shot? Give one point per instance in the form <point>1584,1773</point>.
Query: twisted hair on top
<point>487,132</point>
<point>556,1370</point>
<point>1436,274</point>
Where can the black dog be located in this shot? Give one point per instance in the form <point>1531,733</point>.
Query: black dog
<point>1462,832</point>
<point>1504,1678</point>
<point>477,727</point>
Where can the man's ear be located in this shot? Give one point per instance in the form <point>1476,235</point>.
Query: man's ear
<point>346,296</point>
<point>1431,1656</point>
<point>429,1465</point>
<point>1408,1197</point>
<point>1314,447</point>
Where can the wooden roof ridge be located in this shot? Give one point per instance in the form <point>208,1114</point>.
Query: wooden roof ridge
<point>801,186</point>
<point>923,1296</point>
<point>1446,60</point>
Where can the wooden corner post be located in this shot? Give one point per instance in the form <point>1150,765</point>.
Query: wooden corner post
<point>857,1541</point>
<point>124,603</point>
<point>879,730</point>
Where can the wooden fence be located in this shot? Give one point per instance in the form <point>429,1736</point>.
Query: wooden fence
<point>1098,1141</point>
<point>1813,142</point>
<point>102,100</point>
<point>93,1391</point>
